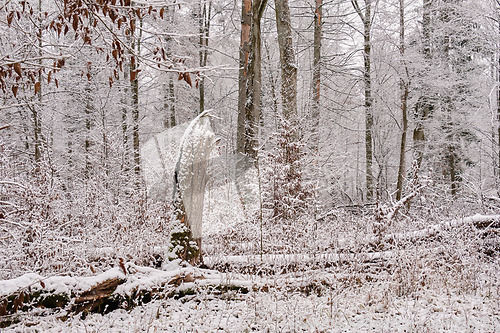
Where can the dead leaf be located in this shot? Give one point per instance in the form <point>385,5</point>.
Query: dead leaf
<point>18,301</point>
<point>10,16</point>
<point>38,87</point>
<point>17,69</point>
<point>189,278</point>
<point>14,90</point>
<point>75,22</point>
<point>122,266</point>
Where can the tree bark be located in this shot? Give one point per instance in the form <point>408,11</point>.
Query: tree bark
<point>424,106</point>
<point>366,18</point>
<point>246,21</point>
<point>37,122</point>
<point>253,85</point>
<point>287,61</point>
<point>204,31</point>
<point>316,93</point>
<point>404,91</point>
<point>498,113</point>
<point>136,46</point>
<point>124,114</point>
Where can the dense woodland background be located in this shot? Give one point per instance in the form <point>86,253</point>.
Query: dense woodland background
<point>342,108</point>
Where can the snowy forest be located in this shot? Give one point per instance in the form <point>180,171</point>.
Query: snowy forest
<point>253,165</point>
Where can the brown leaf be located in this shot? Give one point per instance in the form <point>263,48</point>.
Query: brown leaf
<point>189,278</point>
<point>10,16</point>
<point>75,22</point>
<point>38,86</point>
<point>17,68</point>
<point>162,11</point>
<point>122,266</point>
<point>187,78</point>
<point>49,77</point>
<point>42,284</point>
<point>133,76</point>
<point>14,90</point>
<point>110,81</point>
<point>115,54</point>
<point>18,301</point>
<point>56,82</point>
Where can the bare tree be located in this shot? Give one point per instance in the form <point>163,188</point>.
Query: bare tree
<point>249,98</point>
<point>404,91</point>
<point>287,60</point>
<point>316,93</point>
<point>366,17</point>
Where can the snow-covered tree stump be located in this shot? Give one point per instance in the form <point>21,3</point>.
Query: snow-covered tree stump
<point>190,181</point>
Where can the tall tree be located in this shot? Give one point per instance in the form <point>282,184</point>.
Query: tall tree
<point>287,61</point>
<point>404,91</point>
<point>249,94</point>
<point>366,18</point>
<point>134,82</point>
<point>204,16</point>
<point>316,93</point>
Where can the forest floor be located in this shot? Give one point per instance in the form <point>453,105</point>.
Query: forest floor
<point>442,278</point>
<point>285,304</point>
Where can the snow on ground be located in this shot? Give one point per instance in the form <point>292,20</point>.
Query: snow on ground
<point>371,307</point>
<point>260,311</point>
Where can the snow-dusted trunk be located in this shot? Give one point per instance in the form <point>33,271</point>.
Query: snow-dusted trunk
<point>316,93</point>
<point>204,31</point>
<point>404,91</point>
<point>249,100</point>
<point>424,106</point>
<point>287,60</point>
<point>366,18</point>
<point>246,21</point>
<point>191,177</point>
<point>498,115</point>
<point>134,82</point>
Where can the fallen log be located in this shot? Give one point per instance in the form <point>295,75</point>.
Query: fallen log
<point>121,287</point>
<point>370,250</point>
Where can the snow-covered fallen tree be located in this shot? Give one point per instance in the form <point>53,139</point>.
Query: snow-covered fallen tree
<point>124,286</point>
<point>345,252</point>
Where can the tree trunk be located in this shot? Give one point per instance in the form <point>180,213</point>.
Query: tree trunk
<point>245,48</point>
<point>124,114</point>
<point>424,106</point>
<point>316,93</point>
<point>498,117</point>
<point>171,88</point>
<point>88,127</point>
<point>37,122</point>
<point>204,31</point>
<point>404,91</point>
<point>253,85</point>
<point>366,19</point>
<point>249,98</point>
<point>287,61</point>
<point>134,76</point>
